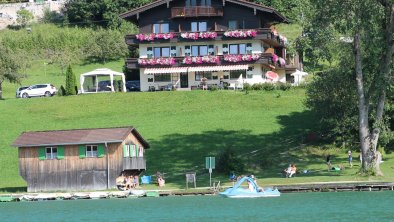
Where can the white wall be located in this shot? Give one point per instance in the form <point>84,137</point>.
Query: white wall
<point>8,12</point>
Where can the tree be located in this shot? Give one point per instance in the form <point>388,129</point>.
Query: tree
<point>62,57</point>
<point>106,45</point>
<point>11,66</point>
<point>369,26</point>
<point>24,17</point>
<point>98,12</point>
<point>71,82</point>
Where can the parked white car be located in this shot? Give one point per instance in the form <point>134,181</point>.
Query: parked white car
<point>38,90</point>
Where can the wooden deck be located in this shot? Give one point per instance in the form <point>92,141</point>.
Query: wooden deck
<point>336,187</point>
<point>295,188</point>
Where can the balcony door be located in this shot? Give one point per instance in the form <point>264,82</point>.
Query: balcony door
<point>184,80</point>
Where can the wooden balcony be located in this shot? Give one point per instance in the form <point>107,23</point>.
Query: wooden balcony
<point>134,163</point>
<point>265,35</point>
<point>265,58</point>
<point>196,11</point>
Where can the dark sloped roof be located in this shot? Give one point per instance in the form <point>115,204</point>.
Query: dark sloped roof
<point>77,136</point>
<point>245,3</point>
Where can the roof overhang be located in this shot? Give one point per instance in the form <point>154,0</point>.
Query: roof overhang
<point>255,6</point>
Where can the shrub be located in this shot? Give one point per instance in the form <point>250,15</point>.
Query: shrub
<point>229,162</point>
<point>283,86</point>
<point>257,86</point>
<point>214,88</point>
<point>247,87</point>
<point>268,86</point>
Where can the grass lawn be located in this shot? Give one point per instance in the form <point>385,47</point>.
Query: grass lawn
<point>266,129</point>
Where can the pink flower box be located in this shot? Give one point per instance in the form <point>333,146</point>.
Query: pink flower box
<point>201,59</point>
<point>240,33</point>
<point>197,35</point>
<point>241,58</point>
<point>157,61</point>
<point>151,37</point>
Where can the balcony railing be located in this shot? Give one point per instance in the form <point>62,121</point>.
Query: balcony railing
<point>265,58</point>
<point>266,35</point>
<point>196,11</point>
<point>134,163</point>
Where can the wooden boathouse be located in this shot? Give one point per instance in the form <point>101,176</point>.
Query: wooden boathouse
<point>80,159</point>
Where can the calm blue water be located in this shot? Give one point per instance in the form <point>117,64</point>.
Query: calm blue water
<point>346,206</point>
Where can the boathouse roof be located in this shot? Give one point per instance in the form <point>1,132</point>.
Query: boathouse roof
<point>77,136</point>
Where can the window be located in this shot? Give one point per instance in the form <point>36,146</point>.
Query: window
<point>191,3</point>
<point>91,151</point>
<point>236,49</point>
<point>199,26</point>
<point>232,25</point>
<point>161,28</point>
<point>234,74</point>
<point>161,52</point>
<point>50,153</point>
<point>200,75</point>
<point>205,2</point>
<point>162,78</point>
<point>199,50</point>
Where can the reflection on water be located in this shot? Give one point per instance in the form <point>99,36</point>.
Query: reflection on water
<point>346,206</point>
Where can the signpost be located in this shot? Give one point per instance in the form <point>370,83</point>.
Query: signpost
<point>210,164</point>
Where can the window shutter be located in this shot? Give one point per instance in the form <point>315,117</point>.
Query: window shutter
<point>173,51</point>
<point>249,48</point>
<point>126,151</point>
<point>132,150</point>
<point>82,151</point>
<point>225,49</point>
<point>149,52</point>
<point>187,50</point>
<point>100,150</point>
<point>41,153</point>
<point>137,149</point>
<point>211,50</point>
<point>60,152</point>
<point>141,151</point>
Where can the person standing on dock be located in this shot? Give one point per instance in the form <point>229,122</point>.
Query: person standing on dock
<point>350,158</point>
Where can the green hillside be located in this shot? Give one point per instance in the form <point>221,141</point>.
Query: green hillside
<point>265,128</point>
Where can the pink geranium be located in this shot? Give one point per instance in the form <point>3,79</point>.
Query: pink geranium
<point>240,33</point>
<point>241,58</point>
<point>156,61</point>
<point>151,37</point>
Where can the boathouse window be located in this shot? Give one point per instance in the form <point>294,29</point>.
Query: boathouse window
<point>91,151</point>
<point>50,153</point>
<point>161,28</point>
<point>199,26</point>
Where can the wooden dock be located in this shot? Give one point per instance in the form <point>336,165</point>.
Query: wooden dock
<point>336,187</point>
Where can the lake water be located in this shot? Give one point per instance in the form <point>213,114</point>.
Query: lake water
<point>341,206</point>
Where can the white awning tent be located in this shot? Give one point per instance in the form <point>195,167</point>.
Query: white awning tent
<point>102,72</point>
<point>298,77</point>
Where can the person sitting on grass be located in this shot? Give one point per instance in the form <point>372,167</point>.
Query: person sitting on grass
<point>161,181</point>
<point>293,170</point>
<point>287,171</point>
